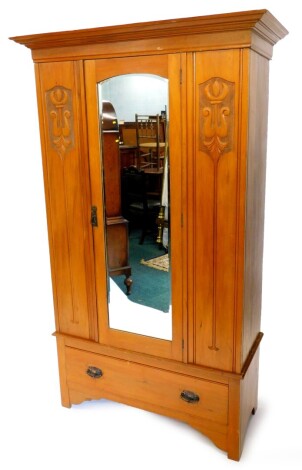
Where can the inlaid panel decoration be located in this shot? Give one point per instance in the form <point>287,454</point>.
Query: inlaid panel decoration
<point>216,107</point>
<point>216,123</point>
<point>60,119</point>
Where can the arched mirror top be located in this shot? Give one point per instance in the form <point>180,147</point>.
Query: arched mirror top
<point>135,94</point>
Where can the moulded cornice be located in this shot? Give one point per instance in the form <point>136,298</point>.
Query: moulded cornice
<point>262,22</point>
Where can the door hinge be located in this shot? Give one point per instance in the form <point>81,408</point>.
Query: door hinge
<point>180,76</point>
<point>183,344</point>
<point>94,216</point>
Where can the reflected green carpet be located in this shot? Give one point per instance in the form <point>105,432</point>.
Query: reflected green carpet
<point>151,287</point>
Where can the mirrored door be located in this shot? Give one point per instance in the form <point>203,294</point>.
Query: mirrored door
<point>135,170</point>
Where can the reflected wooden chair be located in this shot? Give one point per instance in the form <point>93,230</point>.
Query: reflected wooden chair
<point>128,144</point>
<point>150,135</point>
<point>138,208</point>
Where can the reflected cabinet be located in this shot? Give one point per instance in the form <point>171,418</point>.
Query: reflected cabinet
<point>156,227</point>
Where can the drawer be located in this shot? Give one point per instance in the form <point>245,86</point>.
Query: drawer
<point>130,382</point>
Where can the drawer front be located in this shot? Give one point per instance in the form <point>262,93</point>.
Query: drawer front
<point>129,381</point>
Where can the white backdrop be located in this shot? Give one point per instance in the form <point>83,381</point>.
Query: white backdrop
<point>36,432</point>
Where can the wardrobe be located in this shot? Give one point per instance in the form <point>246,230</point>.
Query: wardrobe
<point>204,370</point>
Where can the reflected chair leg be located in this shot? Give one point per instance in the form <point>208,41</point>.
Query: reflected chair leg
<point>160,222</point>
<point>144,229</point>
<point>142,238</point>
<point>128,283</point>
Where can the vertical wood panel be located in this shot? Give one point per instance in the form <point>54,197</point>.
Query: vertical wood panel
<point>215,199</point>
<point>177,198</point>
<point>256,173</point>
<point>68,213</point>
<point>241,206</point>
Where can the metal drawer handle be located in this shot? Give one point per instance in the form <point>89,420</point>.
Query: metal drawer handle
<point>94,372</point>
<point>189,397</point>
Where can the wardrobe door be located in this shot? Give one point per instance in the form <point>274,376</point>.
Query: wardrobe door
<point>216,215</point>
<point>98,74</point>
<point>60,92</point>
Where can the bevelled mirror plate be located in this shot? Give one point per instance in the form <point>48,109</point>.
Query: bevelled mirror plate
<point>134,118</point>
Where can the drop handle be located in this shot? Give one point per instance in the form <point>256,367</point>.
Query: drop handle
<point>94,372</point>
<point>189,397</point>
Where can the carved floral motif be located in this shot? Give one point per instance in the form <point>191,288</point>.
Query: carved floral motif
<point>59,108</point>
<point>216,116</point>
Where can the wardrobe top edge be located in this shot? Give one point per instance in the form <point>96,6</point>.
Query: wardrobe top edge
<point>261,21</point>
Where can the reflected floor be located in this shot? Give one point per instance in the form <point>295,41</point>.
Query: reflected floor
<point>150,287</point>
<point>135,318</point>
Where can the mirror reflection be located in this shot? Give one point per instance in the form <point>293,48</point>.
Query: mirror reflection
<point>134,139</point>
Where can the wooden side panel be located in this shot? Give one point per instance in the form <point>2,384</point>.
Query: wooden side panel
<point>65,399</point>
<point>243,400</point>
<point>255,199</point>
<point>67,193</point>
<point>215,205</point>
